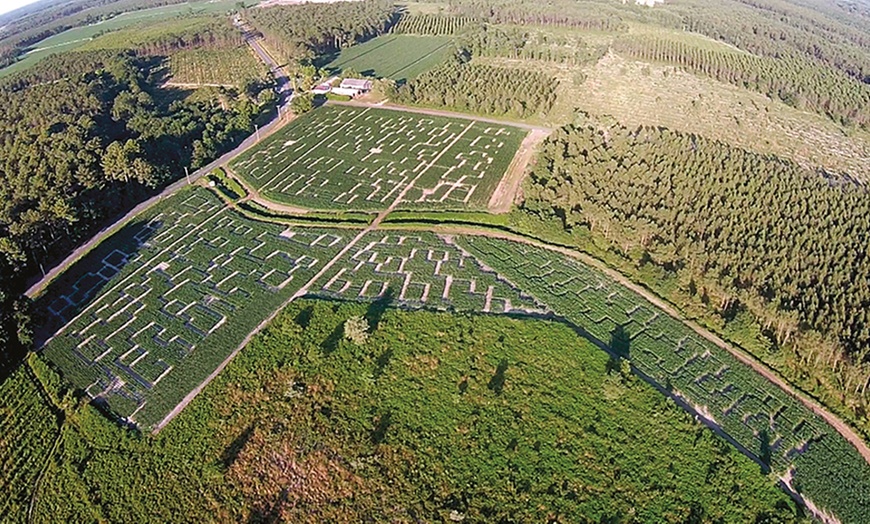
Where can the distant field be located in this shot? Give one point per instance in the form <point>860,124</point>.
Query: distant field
<point>75,38</point>
<point>226,67</point>
<point>362,159</point>
<point>400,57</point>
<point>159,305</point>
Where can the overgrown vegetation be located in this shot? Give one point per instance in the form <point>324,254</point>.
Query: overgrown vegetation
<point>738,230</point>
<point>483,418</point>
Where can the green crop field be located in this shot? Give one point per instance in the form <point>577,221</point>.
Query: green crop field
<point>149,315</point>
<point>421,270</point>
<point>28,429</point>
<point>223,67</point>
<point>77,37</point>
<point>400,57</point>
<point>776,428</point>
<point>363,159</point>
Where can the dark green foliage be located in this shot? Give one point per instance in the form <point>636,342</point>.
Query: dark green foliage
<point>482,89</point>
<point>86,135</point>
<point>407,427</point>
<point>304,31</point>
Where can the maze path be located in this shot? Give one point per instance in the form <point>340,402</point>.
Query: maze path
<point>363,158</point>
<point>174,307</point>
<point>422,270</point>
<point>763,419</point>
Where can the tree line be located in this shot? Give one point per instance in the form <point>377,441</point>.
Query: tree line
<point>482,89</point>
<point>796,81</point>
<point>83,137</point>
<point>738,229</point>
<point>529,44</point>
<point>302,32</point>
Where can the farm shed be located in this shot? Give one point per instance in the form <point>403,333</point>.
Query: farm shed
<point>355,85</point>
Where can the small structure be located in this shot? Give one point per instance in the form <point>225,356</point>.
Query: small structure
<point>353,87</point>
<point>322,89</point>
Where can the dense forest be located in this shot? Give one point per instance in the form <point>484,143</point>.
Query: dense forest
<point>529,44</point>
<point>482,89</point>
<point>84,136</point>
<point>305,31</point>
<point>739,229</point>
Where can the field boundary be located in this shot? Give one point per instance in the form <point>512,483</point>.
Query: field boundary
<point>506,192</point>
<point>843,429</point>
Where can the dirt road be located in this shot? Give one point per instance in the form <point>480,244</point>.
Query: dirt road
<point>505,194</point>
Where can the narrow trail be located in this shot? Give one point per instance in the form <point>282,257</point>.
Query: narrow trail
<point>842,428</point>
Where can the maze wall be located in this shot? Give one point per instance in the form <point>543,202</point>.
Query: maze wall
<point>422,270</point>
<point>149,322</point>
<point>350,158</point>
<point>762,418</point>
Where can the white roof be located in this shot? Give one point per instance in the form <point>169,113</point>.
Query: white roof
<point>356,83</point>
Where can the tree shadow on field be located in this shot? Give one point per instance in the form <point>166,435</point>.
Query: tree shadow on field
<point>620,342</point>
<point>231,453</point>
<point>376,309</point>
<point>379,433</point>
<point>77,287</point>
<point>496,383</point>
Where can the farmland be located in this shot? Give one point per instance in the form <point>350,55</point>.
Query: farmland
<point>351,158</point>
<point>778,430</point>
<point>421,270</point>
<point>399,57</point>
<point>218,67</point>
<point>73,39</point>
<point>482,416</point>
<point>151,314</point>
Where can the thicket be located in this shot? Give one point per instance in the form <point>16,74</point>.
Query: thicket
<point>84,136</point>
<point>305,31</point>
<point>482,89</point>
<point>737,229</point>
<point>796,81</point>
<point>436,415</point>
<point>529,44</point>
<point>433,24</point>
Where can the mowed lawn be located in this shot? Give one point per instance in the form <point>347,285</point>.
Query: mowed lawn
<point>400,57</point>
<point>356,159</point>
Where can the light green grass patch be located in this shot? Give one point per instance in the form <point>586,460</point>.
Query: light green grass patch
<point>399,57</point>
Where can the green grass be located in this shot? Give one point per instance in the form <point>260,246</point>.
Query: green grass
<point>75,38</point>
<point>355,159</point>
<point>399,57</point>
<point>144,324</point>
<point>495,419</point>
<point>760,417</point>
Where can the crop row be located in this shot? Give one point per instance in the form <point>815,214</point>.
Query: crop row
<point>187,295</point>
<point>28,428</point>
<point>216,67</point>
<point>433,24</point>
<point>363,159</point>
<point>763,419</point>
<point>421,270</point>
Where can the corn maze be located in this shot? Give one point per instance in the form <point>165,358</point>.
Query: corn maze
<point>422,270</point>
<point>779,430</point>
<point>364,159</point>
<point>145,325</point>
